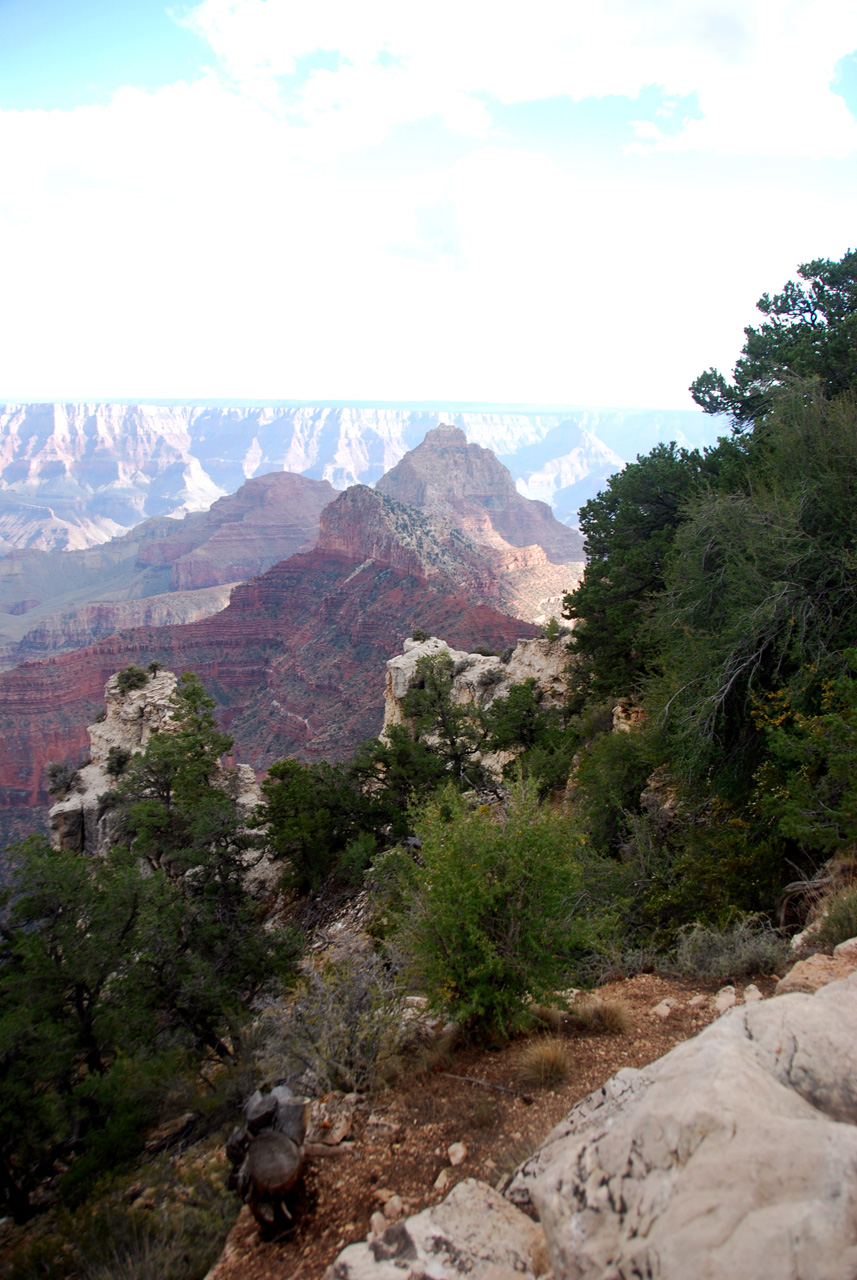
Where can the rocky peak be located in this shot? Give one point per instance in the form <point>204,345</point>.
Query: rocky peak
<point>468,486</point>
<point>132,717</point>
<point>368,526</point>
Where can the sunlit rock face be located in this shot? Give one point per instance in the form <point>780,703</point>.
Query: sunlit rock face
<point>468,485</point>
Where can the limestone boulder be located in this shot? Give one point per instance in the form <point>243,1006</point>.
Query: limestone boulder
<point>473,1232</point>
<point>816,972</point>
<point>734,1155</point>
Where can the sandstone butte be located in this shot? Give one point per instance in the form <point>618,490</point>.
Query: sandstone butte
<point>164,571</point>
<point>293,659</point>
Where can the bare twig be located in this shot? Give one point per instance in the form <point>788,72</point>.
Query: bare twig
<point>526,1098</point>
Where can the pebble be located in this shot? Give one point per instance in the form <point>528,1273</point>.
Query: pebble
<point>442,1180</point>
<point>725,999</point>
<point>377,1223</point>
<point>457,1153</point>
<point>695,1001</point>
<point>662,1010</point>
<point>393,1208</point>
<point>752,993</point>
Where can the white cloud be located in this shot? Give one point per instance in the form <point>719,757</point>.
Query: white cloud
<point>204,239</point>
<point>761,68</point>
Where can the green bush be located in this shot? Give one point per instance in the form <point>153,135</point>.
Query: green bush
<point>496,912</point>
<point>743,948</point>
<point>117,761</point>
<point>131,677</point>
<point>61,778</point>
<point>612,774</point>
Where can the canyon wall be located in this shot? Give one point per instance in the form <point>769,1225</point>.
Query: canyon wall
<point>293,661</point>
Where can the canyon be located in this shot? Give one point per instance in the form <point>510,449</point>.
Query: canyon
<point>164,572</point>
<point>444,543</point>
<point>74,475</point>
<point>293,660</point>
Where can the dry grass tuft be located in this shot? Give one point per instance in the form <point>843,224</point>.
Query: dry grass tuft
<point>543,1061</point>
<point>550,1016</point>
<point>595,1013</point>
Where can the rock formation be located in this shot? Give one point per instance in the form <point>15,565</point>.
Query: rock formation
<point>81,821</point>
<point>473,1232</point>
<point>164,572</point>
<point>480,679</point>
<point>293,660</point>
<point>472,489</point>
<point>72,475</point>
<point>534,558</point>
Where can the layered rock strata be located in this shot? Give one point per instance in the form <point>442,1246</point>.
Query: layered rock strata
<point>164,572</point>
<point>471,488</point>
<point>293,659</point>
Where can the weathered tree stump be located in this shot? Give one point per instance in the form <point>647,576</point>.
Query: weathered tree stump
<point>271,1169</point>
<point>267,1153</point>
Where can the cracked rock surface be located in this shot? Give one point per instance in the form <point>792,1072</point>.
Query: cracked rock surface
<point>734,1155</point>
<point>473,1232</point>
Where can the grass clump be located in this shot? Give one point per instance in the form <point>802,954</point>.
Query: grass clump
<point>739,950</point>
<point>543,1061</point>
<point>594,1014</point>
<point>837,920</point>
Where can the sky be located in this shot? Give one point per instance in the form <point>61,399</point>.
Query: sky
<point>552,203</point>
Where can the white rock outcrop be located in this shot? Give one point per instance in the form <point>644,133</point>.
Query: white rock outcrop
<point>473,1232</point>
<point>734,1155</point>
<point>81,821</point>
<point>480,679</point>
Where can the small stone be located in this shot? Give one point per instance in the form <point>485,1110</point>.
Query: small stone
<point>725,999</point>
<point>811,975</point>
<point>662,1010</point>
<point>393,1208</point>
<point>846,950</point>
<point>695,1001</point>
<point>457,1153</point>
<point>377,1223</point>
<point>442,1180</point>
<point>752,993</point>
<point>383,1194</point>
<point>146,1200</point>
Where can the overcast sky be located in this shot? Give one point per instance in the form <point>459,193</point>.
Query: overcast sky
<point>553,203</point>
